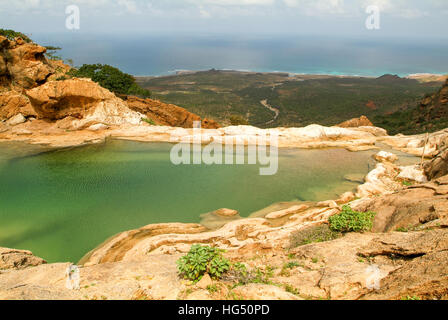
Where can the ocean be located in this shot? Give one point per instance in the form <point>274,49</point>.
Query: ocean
<point>155,55</point>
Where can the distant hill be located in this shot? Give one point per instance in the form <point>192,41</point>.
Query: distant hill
<point>429,116</point>
<point>299,100</point>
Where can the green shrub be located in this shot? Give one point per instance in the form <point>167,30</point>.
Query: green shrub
<point>11,35</point>
<point>111,78</point>
<point>201,260</point>
<point>352,221</point>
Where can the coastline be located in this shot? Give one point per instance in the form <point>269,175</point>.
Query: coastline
<point>438,77</point>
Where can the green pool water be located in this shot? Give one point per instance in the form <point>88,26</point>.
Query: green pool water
<point>62,204</point>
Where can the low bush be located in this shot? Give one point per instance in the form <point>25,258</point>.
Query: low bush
<point>352,221</point>
<point>201,260</point>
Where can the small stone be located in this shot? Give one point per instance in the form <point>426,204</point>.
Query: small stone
<point>17,119</point>
<point>205,282</point>
<point>226,212</point>
<point>384,156</point>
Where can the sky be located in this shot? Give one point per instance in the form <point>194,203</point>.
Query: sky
<point>399,18</point>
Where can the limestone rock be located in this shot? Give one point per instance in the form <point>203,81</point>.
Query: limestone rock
<point>437,167</point>
<point>262,292</point>
<point>413,173</point>
<point>81,99</point>
<point>363,121</point>
<point>12,103</point>
<point>384,156</point>
<point>205,282</point>
<point>18,259</point>
<point>286,212</point>
<point>17,119</point>
<point>226,212</point>
<point>407,208</point>
<point>23,64</point>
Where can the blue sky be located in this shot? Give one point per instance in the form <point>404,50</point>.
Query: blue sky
<point>399,18</point>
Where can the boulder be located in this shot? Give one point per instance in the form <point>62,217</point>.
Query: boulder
<point>413,173</point>
<point>12,103</point>
<point>384,156</point>
<point>437,167</point>
<point>17,119</point>
<point>363,121</point>
<point>226,212</point>
<point>23,65</point>
<point>205,282</point>
<point>81,99</point>
<point>18,259</point>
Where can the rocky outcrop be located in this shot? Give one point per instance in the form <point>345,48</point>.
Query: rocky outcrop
<point>363,121</point>
<point>433,110</point>
<point>437,167</point>
<point>13,103</point>
<point>410,208</point>
<point>168,114</point>
<point>18,259</point>
<point>22,64</point>
<point>82,101</point>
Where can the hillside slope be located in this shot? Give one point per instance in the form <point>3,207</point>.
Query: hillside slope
<point>430,116</point>
<point>300,100</point>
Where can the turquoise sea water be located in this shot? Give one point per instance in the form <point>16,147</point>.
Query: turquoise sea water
<point>62,204</point>
<point>163,54</point>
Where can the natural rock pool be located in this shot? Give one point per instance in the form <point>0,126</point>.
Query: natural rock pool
<point>63,203</point>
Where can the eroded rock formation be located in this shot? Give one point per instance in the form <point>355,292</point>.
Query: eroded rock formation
<point>168,114</point>
<point>363,121</point>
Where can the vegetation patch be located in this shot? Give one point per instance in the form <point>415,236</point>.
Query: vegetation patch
<point>201,260</point>
<point>352,221</point>
<point>11,35</point>
<point>313,234</point>
<point>111,78</point>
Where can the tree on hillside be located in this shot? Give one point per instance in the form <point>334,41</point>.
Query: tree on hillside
<point>111,78</point>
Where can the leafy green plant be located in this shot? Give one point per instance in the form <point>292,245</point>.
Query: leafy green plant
<point>111,78</point>
<point>352,221</point>
<point>201,260</point>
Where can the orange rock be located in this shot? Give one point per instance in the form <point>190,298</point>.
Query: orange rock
<point>363,121</point>
<point>168,114</point>
<point>12,103</point>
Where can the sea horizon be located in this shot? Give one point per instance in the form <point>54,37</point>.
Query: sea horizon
<point>163,55</point>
